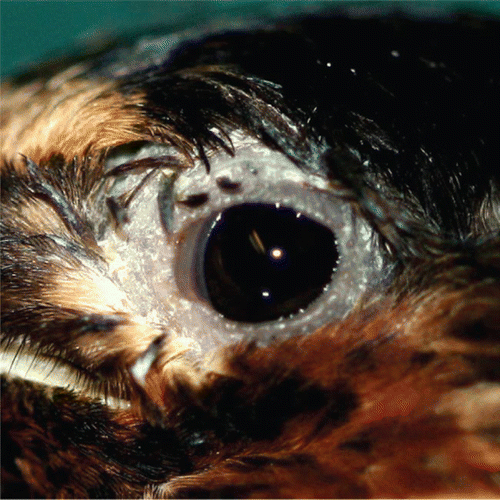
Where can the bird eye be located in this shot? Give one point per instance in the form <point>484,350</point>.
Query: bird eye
<point>256,248</point>
<point>261,262</point>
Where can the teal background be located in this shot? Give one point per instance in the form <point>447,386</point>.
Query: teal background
<point>31,31</point>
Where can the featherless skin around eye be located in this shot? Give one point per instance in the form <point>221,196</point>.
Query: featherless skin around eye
<point>173,277</point>
<point>119,170</point>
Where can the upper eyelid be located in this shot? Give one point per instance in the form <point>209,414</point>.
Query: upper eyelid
<point>178,162</point>
<point>399,231</point>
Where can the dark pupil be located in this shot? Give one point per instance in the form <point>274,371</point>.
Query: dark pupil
<point>263,262</point>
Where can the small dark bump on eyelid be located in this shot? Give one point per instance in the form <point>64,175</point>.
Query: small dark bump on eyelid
<point>225,184</point>
<point>194,200</point>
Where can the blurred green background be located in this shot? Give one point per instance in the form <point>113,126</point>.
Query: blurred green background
<point>33,30</point>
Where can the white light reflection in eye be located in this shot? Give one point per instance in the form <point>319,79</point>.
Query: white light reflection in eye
<point>277,253</point>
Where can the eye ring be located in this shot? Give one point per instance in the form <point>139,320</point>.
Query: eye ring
<point>164,249</point>
<point>355,264</point>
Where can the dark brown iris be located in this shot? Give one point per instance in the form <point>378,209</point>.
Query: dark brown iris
<point>263,261</point>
